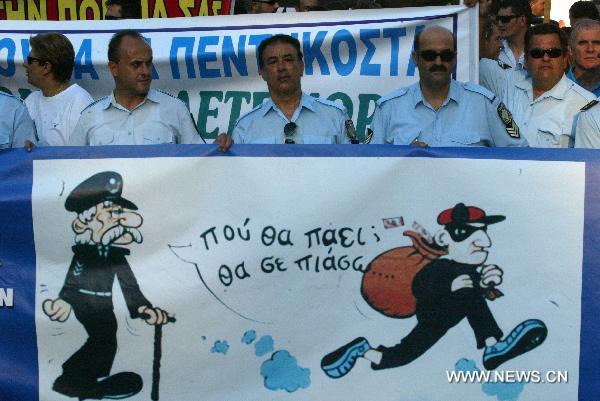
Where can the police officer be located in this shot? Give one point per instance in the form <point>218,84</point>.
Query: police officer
<point>104,220</point>
<point>545,102</point>
<point>439,111</point>
<point>16,127</point>
<point>588,126</point>
<point>289,115</point>
<point>134,114</point>
<point>584,48</point>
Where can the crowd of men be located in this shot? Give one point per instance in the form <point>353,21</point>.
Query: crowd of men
<point>538,88</point>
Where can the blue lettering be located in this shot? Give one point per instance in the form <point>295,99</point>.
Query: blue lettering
<point>313,52</point>
<point>186,43</point>
<point>229,56</point>
<point>9,45</point>
<point>254,40</point>
<point>410,71</point>
<point>366,68</point>
<point>83,61</point>
<point>205,57</point>
<point>25,48</point>
<point>394,34</point>
<point>338,38</point>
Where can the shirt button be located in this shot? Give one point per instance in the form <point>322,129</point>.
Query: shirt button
<point>129,133</point>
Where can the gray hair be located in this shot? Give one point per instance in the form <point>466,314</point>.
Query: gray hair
<point>585,23</point>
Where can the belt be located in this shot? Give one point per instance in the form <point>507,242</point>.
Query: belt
<point>98,294</point>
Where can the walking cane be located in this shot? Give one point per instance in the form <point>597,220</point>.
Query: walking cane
<point>157,356</point>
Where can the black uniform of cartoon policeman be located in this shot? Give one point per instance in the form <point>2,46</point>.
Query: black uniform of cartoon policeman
<point>104,220</point>
<point>448,290</point>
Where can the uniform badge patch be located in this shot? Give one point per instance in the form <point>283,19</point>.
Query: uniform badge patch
<point>368,136</point>
<point>512,129</point>
<point>589,105</point>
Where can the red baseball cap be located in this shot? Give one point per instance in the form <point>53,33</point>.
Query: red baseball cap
<point>461,214</point>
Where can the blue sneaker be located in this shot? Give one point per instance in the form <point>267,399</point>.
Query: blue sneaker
<point>525,337</point>
<point>339,362</point>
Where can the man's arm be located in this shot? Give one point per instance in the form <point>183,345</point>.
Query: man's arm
<point>23,128</point>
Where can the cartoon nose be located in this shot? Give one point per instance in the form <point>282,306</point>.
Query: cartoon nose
<point>483,240</point>
<point>130,219</point>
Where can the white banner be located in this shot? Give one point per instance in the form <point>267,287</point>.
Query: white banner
<point>261,262</point>
<point>352,57</point>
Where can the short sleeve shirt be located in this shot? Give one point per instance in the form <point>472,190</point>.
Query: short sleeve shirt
<point>16,126</point>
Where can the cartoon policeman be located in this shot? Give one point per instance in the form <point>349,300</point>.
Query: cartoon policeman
<point>448,290</point>
<point>104,220</point>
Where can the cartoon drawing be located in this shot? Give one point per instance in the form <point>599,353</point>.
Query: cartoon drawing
<point>104,220</point>
<point>452,286</point>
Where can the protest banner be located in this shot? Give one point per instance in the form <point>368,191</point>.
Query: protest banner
<point>260,254</point>
<point>352,57</point>
<point>68,10</point>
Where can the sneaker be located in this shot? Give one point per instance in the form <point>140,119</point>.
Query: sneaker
<point>339,362</point>
<point>525,337</point>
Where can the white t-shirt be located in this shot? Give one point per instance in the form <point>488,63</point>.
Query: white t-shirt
<point>55,117</point>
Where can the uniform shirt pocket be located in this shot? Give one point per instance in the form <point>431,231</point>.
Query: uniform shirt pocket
<point>549,135</point>
<point>464,138</point>
<point>158,137</point>
<point>102,138</point>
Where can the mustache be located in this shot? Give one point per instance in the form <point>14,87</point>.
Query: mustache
<point>437,67</point>
<point>117,232</point>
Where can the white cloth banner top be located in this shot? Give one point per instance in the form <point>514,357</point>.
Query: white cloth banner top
<point>352,57</point>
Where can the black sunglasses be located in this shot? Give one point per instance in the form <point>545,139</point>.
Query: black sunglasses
<point>40,61</point>
<point>505,19</point>
<point>431,55</point>
<point>553,52</point>
<point>289,131</point>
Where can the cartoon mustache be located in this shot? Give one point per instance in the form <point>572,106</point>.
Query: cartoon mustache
<point>117,232</point>
<point>435,68</point>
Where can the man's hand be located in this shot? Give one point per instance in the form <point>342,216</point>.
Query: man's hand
<point>59,309</point>
<point>419,144</point>
<point>491,275</point>
<point>154,316</point>
<point>460,282</point>
<point>224,141</point>
<point>28,145</point>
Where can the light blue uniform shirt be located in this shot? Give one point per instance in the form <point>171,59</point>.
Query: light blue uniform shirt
<point>471,115</point>
<point>588,127</point>
<point>571,76</point>
<point>159,119</point>
<point>15,124</point>
<point>547,121</point>
<point>318,121</point>
<point>507,57</point>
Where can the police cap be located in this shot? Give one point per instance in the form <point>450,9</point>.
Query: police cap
<point>104,186</point>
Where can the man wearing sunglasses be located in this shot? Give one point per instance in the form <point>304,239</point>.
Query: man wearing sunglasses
<point>56,107</point>
<point>545,102</point>
<point>134,114</point>
<point>513,19</point>
<point>123,9</point>
<point>289,115</point>
<point>263,6</point>
<point>584,48</point>
<point>439,111</point>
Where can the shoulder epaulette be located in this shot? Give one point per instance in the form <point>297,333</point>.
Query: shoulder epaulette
<point>330,103</point>
<point>472,87</point>
<point>504,66</point>
<point>11,95</point>
<point>590,105</point>
<point>397,93</point>
<point>94,102</point>
<point>249,112</point>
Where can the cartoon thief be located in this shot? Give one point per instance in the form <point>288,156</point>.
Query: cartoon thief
<point>104,220</point>
<point>447,290</point>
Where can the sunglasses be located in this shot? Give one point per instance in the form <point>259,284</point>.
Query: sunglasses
<point>289,131</point>
<point>505,19</point>
<point>553,52</point>
<point>431,55</point>
<point>30,60</point>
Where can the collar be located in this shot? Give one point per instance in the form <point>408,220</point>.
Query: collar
<point>153,96</point>
<point>453,94</point>
<point>571,75</point>
<point>559,91</point>
<point>306,101</point>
